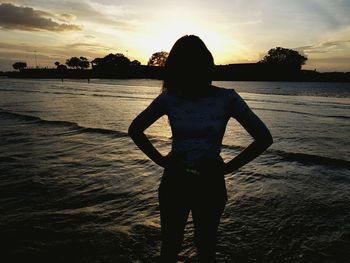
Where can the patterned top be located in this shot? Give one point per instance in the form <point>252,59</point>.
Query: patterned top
<point>198,124</point>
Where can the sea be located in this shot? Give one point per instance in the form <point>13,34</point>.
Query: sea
<point>75,188</point>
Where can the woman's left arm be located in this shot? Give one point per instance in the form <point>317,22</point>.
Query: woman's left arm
<point>257,129</point>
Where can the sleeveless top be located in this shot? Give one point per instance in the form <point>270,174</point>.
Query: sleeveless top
<point>198,124</point>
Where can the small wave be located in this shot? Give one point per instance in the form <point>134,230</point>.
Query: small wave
<point>104,131</point>
<point>297,94</point>
<point>337,116</point>
<point>68,124</point>
<point>336,105</point>
<point>301,157</point>
<point>39,91</point>
<point>313,159</point>
<point>303,113</point>
<point>78,94</point>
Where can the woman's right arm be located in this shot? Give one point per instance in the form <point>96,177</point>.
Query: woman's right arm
<point>145,119</point>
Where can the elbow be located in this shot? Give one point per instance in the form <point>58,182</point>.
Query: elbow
<point>269,140</point>
<point>266,140</point>
<point>133,131</point>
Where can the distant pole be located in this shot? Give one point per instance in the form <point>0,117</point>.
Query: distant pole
<point>36,62</point>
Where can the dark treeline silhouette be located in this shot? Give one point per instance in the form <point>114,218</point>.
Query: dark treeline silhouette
<point>140,71</point>
<point>279,64</point>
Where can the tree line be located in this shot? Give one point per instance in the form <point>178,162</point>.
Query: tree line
<point>281,58</point>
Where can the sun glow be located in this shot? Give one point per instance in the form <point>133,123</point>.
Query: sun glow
<point>163,34</point>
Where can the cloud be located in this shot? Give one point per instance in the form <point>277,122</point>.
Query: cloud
<point>66,17</point>
<point>89,36</point>
<point>326,47</point>
<point>328,55</point>
<point>89,13</point>
<point>95,48</point>
<point>29,19</point>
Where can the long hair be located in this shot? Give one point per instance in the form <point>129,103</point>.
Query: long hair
<point>189,67</point>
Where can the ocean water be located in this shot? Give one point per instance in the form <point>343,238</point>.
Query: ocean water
<point>74,188</point>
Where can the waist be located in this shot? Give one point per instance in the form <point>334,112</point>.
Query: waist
<point>203,165</point>
<point>196,148</point>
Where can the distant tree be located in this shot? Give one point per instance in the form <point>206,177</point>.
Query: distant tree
<point>96,62</point>
<point>158,59</point>
<point>61,67</point>
<point>111,61</point>
<point>84,63</point>
<point>135,63</point>
<point>19,65</point>
<point>57,64</point>
<point>73,62</point>
<point>285,58</point>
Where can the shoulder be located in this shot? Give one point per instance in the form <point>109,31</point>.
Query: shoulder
<point>229,94</point>
<point>162,97</point>
<point>162,101</point>
<point>235,104</point>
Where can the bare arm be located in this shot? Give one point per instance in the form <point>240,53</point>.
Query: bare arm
<point>257,129</point>
<point>136,131</point>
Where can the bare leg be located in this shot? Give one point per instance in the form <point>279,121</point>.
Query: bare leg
<point>174,211</point>
<point>206,221</point>
<point>208,206</point>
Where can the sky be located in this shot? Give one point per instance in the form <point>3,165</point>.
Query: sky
<point>41,32</point>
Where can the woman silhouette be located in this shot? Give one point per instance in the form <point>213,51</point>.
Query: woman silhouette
<point>193,178</point>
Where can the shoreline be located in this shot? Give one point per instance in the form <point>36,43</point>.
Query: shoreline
<point>221,73</point>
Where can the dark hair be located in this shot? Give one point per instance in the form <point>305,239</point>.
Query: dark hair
<point>189,67</point>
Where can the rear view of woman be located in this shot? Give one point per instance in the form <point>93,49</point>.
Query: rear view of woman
<point>193,178</point>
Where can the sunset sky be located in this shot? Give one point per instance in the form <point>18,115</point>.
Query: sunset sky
<point>236,31</point>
